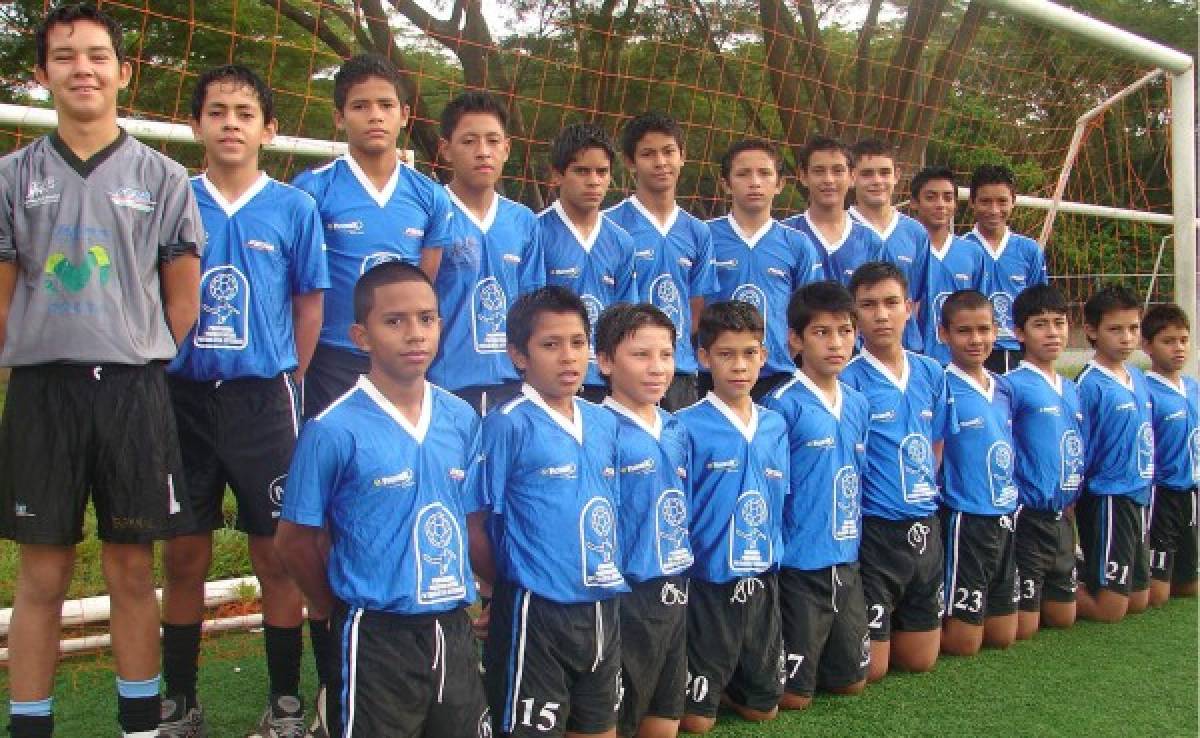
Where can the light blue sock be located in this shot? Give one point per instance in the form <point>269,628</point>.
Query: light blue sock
<point>139,688</point>
<point>36,708</point>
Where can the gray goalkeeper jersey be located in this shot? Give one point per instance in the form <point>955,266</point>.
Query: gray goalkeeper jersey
<point>88,239</point>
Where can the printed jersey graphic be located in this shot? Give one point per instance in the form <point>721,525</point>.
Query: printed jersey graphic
<point>489,316</point>
<point>598,543</point>
<point>224,320</point>
<point>1000,474</point>
<point>1071,451</point>
<point>671,530</point>
<point>441,567</point>
<point>664,295</point>
<point>63,276</point>
<point>1145,451</point>
<point>748,527</point>
<point>845,504</point>
<point>916,469</point>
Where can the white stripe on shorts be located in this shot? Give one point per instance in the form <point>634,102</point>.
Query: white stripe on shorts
<point>516,685</point>
<point>353,669</point>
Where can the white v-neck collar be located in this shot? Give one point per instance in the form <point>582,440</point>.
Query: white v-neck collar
<point>585,243</point>
<point>1181,388</point>
<point>1055,381</point>
<point>381,197</point>
<point>654,430</point>
<point>231,208</point>
<point>573,426</point>
<point>986,244</point>
<point>1113,376</point>
<point>662,228</point>
<point>886,232</point>
<point>901,381</point>
<point>942,252</point>
<point>830,248</point>
<point>418,431</point>
<point>751,240</point>
<point>988,393</point>
<point>835,407</point>
<point>488,218</point>
<point>746,429</point>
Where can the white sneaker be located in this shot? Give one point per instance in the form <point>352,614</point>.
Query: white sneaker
<point>283,718</point>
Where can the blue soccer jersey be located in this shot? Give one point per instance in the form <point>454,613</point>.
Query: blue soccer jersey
<point>1176,430</point>
<point>822,515</point>
<point>977,458</point>
<point>764,269</point>
<point>394,497</point>
<point>552,485</point>
<point>598,268</point>
<point>365,226</point>
<point>1047,428</point>
<point>655,496</point>
<point>856,246</point>
<point>1118,432</point>
<point>261,250</point>
<point>907,245</point>
<point>958,264</point>
<point>1018,262</point>
<point>674,265</point>
<point>906,417</point>
<point>487,265</point>
<point>739,476</point>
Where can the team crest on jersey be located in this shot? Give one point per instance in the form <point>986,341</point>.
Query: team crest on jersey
<point>1071,451</point>
<point>377,258</point>
<point>1000,474</point>
<point>665,296</point>
<point>1145,451</point>
<point>63,276</point>
<point>752,295</point>
<point>598,544</point>
<point>43,192</point>
<point>1194,449</point>
<point>845,504</point>
<point>1002,310</point>
<point>133,198</point>
<point>441,567</point>
<point>489,317</point>
<point>594,308</point>
<point>750,546</point>
<point>224,309</point>
<point>671,532</point>
<point>916,469</point>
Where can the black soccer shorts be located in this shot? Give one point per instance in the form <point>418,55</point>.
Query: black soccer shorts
<point>901,562</point>
<point>981,574</point>
<point>1173,535</point>
<point>1112,534</point>
<point>1044,549</point>
<point>824,628</point>
<point>653,652</point>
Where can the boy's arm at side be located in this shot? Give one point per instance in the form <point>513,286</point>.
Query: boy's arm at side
<point>431,262</point>
<point>307,312</point>
<point>8,285</point>
<point>483,563</point>
<point>303,556</point>
<point>180,280</point>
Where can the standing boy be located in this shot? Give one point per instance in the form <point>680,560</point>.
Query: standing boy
<point>1119,438</point>
<point>876,175</point>
<point>494,256</point>
<point>99,273</point>
<point>820,591</point>
<point>672,248</point>
<point>1015,261</point>
<point>978,490</point>
<point>1165,338</point>
<point>232,390</point>
<point>635,347</point>
<point>901,549</point>
<point>374,209</point>
<point>553,654</point>
<point>584,251</point>
<point>758,260</point>
<point>955,263</point>
<point>1047,423</point>
<point>391,471</point>
<point>826,169</point>
<point>739,476</point>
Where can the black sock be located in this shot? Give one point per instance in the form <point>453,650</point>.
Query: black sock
<point>322,646</point>
<point>31,726</point>
<point>284,647</point>
<point>180,659</point>
<point>138,714</point>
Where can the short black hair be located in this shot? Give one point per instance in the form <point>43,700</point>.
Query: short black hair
<point>725,317</point>
<point>1109,298</point>
<point>871,273</point>
<point>362,67</point>
<point>816,298</point>
<point>932,174</point>
<point>1038,300</point>
<point>68,14</point>
<point>750,144</point>
<point>239,75</point>
<point>472,101</point>
<point>824,143</point>
<point>873,147</point>
<point>523,314</point>
<point>575,139</point>
<point>380,275</point>
<point>651,121</point>
<point>620,321</point>
<point>960,301</point>
<point>993,174</point>
<point>1160,317</point>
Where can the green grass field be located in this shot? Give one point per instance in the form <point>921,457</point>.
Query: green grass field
<point>1135,678</point>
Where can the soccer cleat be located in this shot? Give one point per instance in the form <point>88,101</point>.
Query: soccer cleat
<point>319,728</point>
<point>180,721</point>
<point>283,718</point>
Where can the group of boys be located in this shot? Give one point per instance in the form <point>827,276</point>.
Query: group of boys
<point>488,399</point>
